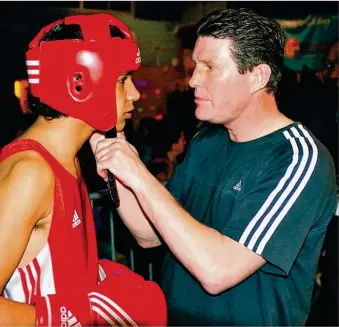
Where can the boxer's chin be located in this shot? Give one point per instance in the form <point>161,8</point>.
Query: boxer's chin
<point>120,125</point>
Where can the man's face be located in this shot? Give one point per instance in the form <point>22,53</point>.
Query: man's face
<point>126,94</point>
<point>221,92</point>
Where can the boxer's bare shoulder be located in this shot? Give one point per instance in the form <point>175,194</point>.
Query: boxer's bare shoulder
<point>25,171</point>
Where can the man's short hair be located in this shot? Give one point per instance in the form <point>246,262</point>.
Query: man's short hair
<point>254,40</point>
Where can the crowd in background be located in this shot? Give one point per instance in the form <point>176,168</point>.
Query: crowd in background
<point>311,97</point>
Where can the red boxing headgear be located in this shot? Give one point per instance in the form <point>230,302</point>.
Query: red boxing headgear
<point>78,77</point>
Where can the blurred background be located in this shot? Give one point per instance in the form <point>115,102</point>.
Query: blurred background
<point>165,32</point>
<point>164,121</point>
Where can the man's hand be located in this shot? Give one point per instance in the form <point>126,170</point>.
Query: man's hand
<point>129,210</point>
<point>122,159</point>
<point>94,140</point>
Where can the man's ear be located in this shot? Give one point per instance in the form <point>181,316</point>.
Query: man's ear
<point>260,76</point>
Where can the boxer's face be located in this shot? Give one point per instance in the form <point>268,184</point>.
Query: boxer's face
<point>126,94</point>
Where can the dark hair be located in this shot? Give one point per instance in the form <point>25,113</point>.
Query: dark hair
<point>158,165</point>
<point>255,40</point>
<point>61,32</point>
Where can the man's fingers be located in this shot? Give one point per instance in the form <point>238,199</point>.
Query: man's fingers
<point>103,165</point>
<point>103,174</point>
<point>94,139</point>
<point>109,149</point>
<point>105,156</point>
<point>101,153</point>
<point>121,135</point>
<point>106,142</point>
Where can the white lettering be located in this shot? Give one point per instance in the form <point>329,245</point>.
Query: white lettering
<point>63,317</point>
<point>138,59</point>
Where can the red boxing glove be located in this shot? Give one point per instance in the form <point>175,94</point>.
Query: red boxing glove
<point>123,298</point>
<point>127,299</point>
<point>66,311</point>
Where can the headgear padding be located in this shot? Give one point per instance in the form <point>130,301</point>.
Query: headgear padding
<point>78,77</point>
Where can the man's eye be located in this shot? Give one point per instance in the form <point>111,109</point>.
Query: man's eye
<point>209,67</point>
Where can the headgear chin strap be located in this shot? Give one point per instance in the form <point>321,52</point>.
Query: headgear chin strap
<point>78,77</point>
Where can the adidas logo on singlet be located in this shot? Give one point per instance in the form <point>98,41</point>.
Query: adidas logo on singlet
<point>67,318</point>
<point>237,186</point>
<point>76,219</point>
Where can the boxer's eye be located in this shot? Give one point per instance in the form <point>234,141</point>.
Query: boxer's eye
<point>123,79</point>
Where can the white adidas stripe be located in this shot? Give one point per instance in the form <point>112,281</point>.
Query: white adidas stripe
<point>103,315</point>
<point>49,311</point>
<point>274,193</point>
<point>29,284</point>
<point>33,71</point>
<point>114,305</point>
<point>72,320</point>
<point>108,309</point>
<point>295,195</point>
<point>33,80</point>
<point>35,276</point>
<point>287,191</point>
<point>32,62</point>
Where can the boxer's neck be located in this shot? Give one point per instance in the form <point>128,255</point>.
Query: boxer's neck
<point>62,137</point>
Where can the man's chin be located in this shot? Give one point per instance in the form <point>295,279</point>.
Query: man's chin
<point>200,113</point>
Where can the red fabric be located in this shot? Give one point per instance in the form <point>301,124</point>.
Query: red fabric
<point>122,298</point>
<point>69,310</point>
<point>73,249</point>
<point>136,301</point>
<point>78,78</point>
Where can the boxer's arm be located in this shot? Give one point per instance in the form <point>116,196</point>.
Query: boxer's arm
<point>13,313</point>
<point>24,188</point>
<point>23,191</point>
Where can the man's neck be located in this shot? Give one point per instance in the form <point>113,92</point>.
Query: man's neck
<point>261,118</point>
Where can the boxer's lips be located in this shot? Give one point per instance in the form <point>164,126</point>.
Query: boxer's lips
<point>129,113</point>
